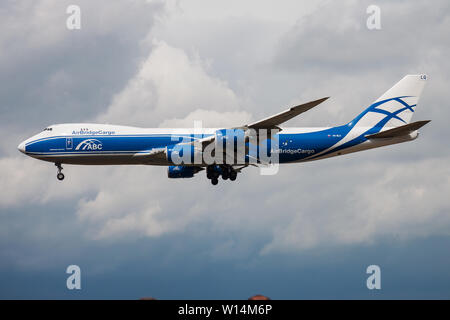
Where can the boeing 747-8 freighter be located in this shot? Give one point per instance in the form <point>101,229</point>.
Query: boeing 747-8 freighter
<point>226,151</point>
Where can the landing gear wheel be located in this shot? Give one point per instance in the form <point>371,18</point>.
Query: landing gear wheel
<point>214,181</point>
<point>225,172</point>
<point>60,175</point>
<point>233,175</point>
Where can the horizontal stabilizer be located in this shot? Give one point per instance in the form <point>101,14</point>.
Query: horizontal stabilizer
<point>398,131</point>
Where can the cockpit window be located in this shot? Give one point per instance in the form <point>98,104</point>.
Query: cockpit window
<point>48,129</point>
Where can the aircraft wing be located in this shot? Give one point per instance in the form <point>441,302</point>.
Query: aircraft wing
<point>267,123</point>
<point>205,141</point>
<point>156,154</point>
<point>272,122</point>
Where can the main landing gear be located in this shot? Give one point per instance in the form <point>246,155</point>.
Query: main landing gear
<point>213,173</point>
<point>60,175</point>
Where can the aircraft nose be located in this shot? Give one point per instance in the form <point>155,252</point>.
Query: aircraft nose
<point>21,147</point>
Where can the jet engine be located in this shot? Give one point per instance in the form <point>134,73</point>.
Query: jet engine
<point>182,171</point>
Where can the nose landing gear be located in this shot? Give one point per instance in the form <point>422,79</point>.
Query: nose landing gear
<point>60,175</point>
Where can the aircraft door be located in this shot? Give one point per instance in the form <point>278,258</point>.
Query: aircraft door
<point>69,143</point>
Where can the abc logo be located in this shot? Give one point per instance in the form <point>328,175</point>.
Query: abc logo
<point>94,147</point>
<point>90,145</point>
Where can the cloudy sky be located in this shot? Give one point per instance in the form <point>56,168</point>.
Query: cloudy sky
<point>308,232</point>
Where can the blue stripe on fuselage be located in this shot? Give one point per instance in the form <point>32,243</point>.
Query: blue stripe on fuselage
<point>292,147</point>
<point>126,144</point>
<point>298,146</point>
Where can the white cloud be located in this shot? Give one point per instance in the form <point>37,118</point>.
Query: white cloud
<point>209,119</point>
<point>169,84</point>
<point>26,181</point>
<point>139,201</point>
<point>20,181</point>
<point>391,199</point>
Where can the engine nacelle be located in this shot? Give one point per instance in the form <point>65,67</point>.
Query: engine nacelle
<point>182,171</point>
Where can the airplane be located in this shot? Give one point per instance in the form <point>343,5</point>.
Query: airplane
<point>385,122</point>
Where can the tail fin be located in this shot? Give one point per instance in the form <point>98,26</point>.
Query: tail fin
<point>395,107</point>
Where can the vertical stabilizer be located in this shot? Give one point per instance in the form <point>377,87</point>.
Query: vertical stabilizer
<point>396,106</point>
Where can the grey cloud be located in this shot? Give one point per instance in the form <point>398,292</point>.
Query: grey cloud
<point>335,37</point>
<point>113,71</point>
<point>167,86</point>
<point>51,74</point>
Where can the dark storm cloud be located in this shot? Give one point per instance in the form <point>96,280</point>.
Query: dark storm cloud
<point>50,74</point>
